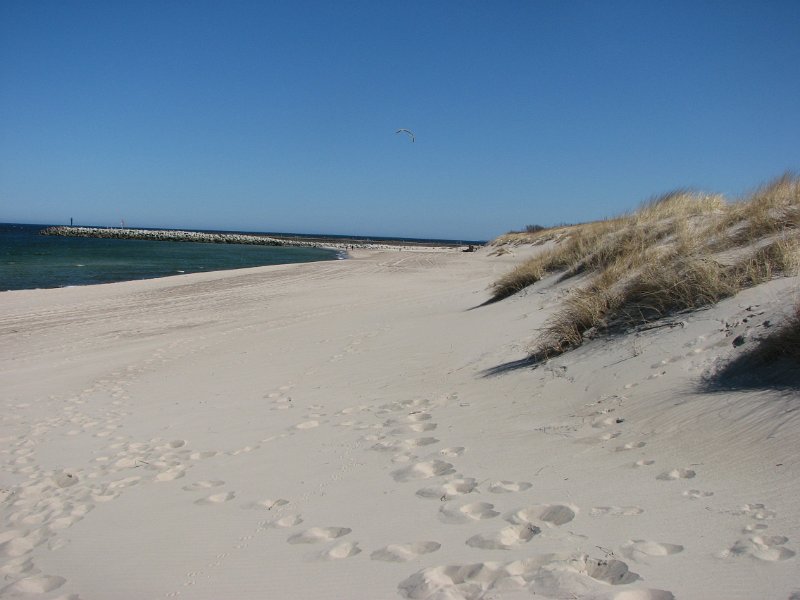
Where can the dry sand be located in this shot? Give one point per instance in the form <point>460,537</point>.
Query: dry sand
<point>342,430</point>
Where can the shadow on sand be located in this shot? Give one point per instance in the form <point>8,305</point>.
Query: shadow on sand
<point>751,371</point>
<point>514,365</point>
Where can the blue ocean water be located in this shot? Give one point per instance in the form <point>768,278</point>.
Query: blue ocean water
<point>29,260</point>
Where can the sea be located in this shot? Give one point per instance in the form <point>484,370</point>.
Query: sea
<point>31,261</point>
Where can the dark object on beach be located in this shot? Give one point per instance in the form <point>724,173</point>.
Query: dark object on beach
<point>469,248</point>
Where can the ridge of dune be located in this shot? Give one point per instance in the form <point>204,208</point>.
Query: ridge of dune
<point>366,429</point>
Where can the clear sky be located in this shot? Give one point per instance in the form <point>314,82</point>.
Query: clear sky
<point>281,116</point>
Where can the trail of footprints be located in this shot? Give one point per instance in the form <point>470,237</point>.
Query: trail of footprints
<point>559,575</point>
<point>45,503</point>
<point>71,494</point>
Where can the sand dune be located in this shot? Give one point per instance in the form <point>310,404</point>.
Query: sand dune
<point>353,430</point>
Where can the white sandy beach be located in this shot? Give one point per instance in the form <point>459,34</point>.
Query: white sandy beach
<point>341,430</point>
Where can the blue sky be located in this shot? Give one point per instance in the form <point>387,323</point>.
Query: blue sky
<point>281,116</point>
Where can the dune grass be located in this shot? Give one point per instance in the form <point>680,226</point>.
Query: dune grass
<point>677,252</point>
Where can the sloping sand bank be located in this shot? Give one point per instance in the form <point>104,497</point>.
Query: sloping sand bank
<point>353,430</point>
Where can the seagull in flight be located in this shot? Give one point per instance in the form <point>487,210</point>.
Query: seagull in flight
<point>408,131</point>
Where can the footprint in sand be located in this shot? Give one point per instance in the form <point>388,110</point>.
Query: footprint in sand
<point>508,487</point>
<point>758,512</point>
<point>423,470</point>
<point>123,483</point>
<point>630,446</point>
<point>215,499</point>
<point>38,584</point>
<point>243,450</point>
<point>676,474</point>
<point>614,572</point>
<point>18,568</point>
<point>19,546</point>
<point>171,474</point>
<point>643,463</point>
<point>203,485</point>
<point>65,479</point>
<point>638,549</point>
<point>452,452</point>
<point>285,521</point>
<point>318,534</point>
<point>307,425</point>
<point>340,551</point>
<point>400,445</point>
<point>455,487</point>
<point>353,409</point>
<point>404,457</point>
<point>475,511</point>
<point>282,403</point>
<point>615,511</point>
<point>762,547</point>
<point>553,515</point>
<point>404,552</point>
<point>202,455</point>
<point>415,417</point>
<point>267,504</point>
<point>413,428</point>
<point>420,427</point>
<point>104,496</point>
<point>696,494</point>
<point>63,522</point>
<point>506,538</point>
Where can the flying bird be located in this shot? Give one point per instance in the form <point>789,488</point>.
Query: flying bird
<point>408,131</point>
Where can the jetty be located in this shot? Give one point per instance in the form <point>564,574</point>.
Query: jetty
<point>173,235</point>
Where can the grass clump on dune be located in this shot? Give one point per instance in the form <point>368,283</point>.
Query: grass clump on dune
<point>773,208</point>
<point>678,252</point>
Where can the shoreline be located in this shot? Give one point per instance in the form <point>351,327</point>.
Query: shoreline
<point>338,249</point>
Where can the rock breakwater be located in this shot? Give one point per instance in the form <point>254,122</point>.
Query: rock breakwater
<point>163,235</point>
<point>175,235</point>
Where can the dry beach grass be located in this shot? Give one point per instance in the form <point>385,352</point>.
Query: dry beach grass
<point>680,251</point>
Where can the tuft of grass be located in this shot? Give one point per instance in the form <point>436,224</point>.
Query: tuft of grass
<point>521,277</point>
<point>584,309</point>
<point>668,287</point>
<point>772,208</point>
<point>662,259</point>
